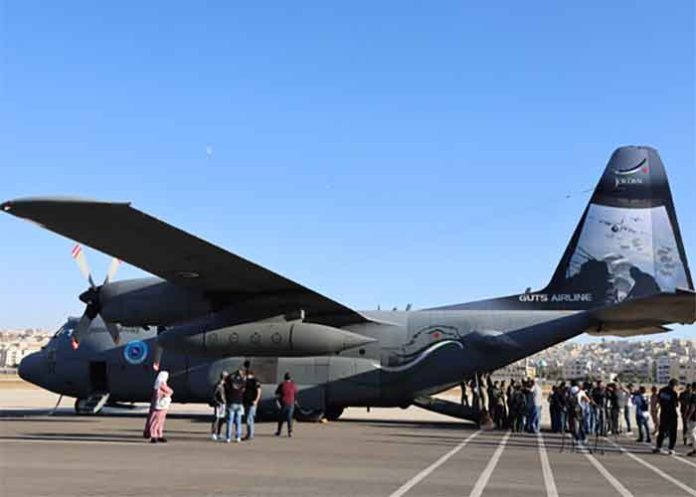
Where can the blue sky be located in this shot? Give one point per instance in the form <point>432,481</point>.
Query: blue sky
<point>379,152</point>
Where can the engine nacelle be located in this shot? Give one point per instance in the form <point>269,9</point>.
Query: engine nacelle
<point>262,338</point>
<point>150,301</point>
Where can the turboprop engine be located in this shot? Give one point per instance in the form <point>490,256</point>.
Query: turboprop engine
<point>262,338</point>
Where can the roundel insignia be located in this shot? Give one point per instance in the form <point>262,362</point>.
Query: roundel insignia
<point>135,352</point>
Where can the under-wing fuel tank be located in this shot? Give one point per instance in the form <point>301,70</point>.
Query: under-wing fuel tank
<point>272,338</point>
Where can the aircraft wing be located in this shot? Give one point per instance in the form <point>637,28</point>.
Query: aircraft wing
<point>179,257</point>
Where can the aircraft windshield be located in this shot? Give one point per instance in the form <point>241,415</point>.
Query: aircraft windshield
<point>66,330</point>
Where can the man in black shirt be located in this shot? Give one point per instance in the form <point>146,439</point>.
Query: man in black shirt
<point>234,395</point>
<point>667,397</point>
<point>599,408</point>
<point>252,394</point>
<point>690,416</point>
<point>684,399</point>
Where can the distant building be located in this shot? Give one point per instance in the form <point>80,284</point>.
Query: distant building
<point>519,370</point>
<point>577,369</point>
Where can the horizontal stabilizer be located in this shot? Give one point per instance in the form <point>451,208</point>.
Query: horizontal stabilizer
<point>447,408</point>
<point>646,315</point>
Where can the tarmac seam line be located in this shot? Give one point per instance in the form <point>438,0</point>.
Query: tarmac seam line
<point>551,490</point>
<point>655,469</point>
<point>423,474</point>
<point>488,471</point>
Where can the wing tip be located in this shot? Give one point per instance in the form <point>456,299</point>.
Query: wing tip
<point>18,203</point>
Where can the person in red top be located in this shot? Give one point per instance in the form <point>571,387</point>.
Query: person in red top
<point>285,393</point>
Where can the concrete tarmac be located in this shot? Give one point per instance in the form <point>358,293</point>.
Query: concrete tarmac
<point>400,454</point>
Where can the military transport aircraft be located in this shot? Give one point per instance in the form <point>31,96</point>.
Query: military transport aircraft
<point>208,309</point>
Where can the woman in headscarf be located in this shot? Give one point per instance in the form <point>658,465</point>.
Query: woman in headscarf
<point>159,405</point>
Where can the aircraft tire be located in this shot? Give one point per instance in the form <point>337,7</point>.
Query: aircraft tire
<point>80,408</point>
<point>332,413</point>
<point>308,415</point>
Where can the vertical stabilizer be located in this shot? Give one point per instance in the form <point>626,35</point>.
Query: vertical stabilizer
<point>627,243</point>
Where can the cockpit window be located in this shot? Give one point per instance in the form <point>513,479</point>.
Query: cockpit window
<point>66,330</point>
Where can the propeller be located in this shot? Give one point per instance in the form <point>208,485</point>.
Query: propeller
<point>91,298</point>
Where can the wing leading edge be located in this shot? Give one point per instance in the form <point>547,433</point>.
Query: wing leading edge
<point>179,257</point>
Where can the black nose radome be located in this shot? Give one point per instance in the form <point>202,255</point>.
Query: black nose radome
<point>30,368</point>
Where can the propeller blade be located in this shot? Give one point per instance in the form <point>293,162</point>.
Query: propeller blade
<point>81,329</point>
<point>113,268</point>
<point>114,331</point>
<point>81,261</point>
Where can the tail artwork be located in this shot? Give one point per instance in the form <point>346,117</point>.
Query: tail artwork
<point>626,248</point>
<point>627,244</point>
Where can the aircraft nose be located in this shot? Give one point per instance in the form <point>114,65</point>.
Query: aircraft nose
<point>30,368</point>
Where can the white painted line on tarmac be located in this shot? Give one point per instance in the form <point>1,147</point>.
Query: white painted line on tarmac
<point>684,460</point>
<point>423,474</point>
<point>678,457</point>
<point>488,471</point>
<point>610,478</point>
<point>655,469</point>
<point>551,490</point>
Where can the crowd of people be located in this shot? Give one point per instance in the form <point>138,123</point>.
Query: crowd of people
<point>586,409</point>
<point>235,401</point>
<point>515,405</point>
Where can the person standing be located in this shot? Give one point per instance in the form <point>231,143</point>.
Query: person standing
<point>668,416</point>
<point>464,399</point>
<point>613,409</point>
<point>252,395</point>
<point>235,405</point>
<point>538,401</point>
<point>684,399</point>
<point>504,399</point>
<point>161,400</point>
<point>286,394</point>
<point>691,420</point>
<point>599,409</point>
<point>654,409</point>
<point>219,406</point>
<point>517,408</point>
<point>575,414</point>
<point>628,393</point>
<point>640,401</point>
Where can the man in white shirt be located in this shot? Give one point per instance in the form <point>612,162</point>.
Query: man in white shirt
<point>538,401</point>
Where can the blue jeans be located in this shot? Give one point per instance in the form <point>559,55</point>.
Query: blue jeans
<point>587,420</point>
<point>234,416</point>
<point>643,428</point>
<point>285,417</point>
<point>536,421</point>
<point>250,418</point>
<point>562,421</point>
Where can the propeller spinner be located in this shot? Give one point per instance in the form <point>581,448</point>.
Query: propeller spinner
<point>91,298</point>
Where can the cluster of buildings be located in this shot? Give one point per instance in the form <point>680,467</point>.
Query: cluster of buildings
<point>15,345</point>
<point>645,361</point>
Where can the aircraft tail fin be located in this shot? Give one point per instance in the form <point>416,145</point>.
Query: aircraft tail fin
<point>627,244</point>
